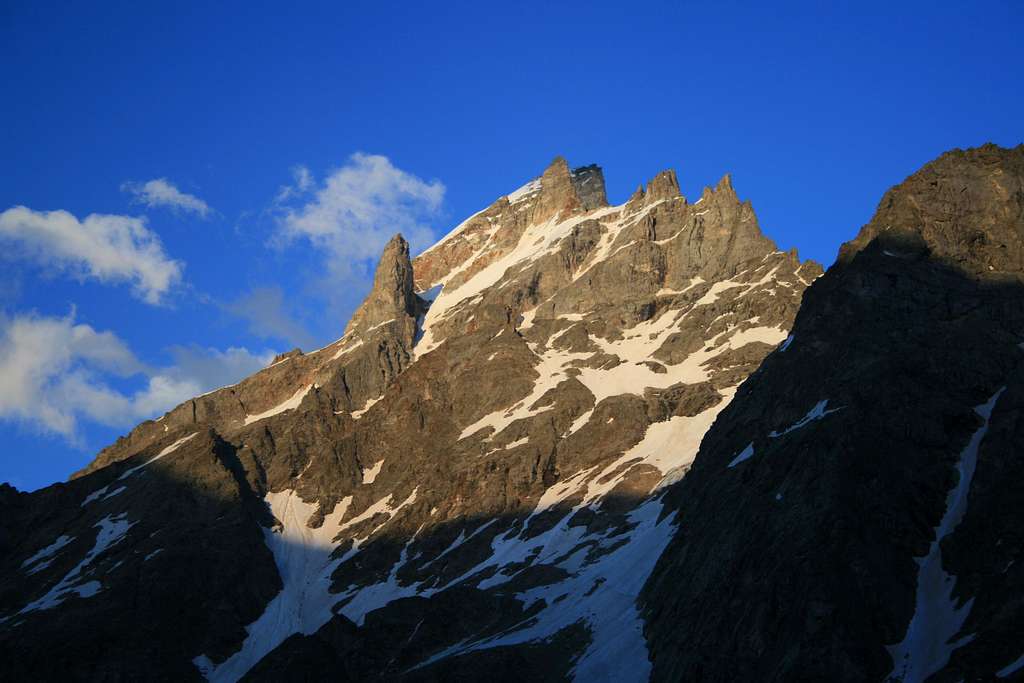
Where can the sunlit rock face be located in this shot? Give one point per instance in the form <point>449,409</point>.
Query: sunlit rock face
<point>489,474</point>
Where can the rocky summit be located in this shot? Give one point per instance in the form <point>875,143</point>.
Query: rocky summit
<point>581,441</point>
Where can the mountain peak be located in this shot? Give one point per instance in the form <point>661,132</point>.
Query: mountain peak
<point>588,181</point>
<point>558,166</point>
<point>725,184</point>
<point>563,190</point>
<point>392,295</point>
<point>665,185</point>
<point>963,208</point>
<point>557,191</point>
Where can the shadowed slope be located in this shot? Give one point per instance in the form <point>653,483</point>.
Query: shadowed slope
<point>821,484</point>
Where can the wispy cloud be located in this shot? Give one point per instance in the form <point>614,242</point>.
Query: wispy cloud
<point>268,314</point>
<point>302,182</point>
<point>55,372</point>
<point>162,192</point>
<point>108,248</point>
<point>357,208</point>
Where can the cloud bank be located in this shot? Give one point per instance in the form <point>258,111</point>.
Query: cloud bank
<point>107,248</point>
<point>55,372</point>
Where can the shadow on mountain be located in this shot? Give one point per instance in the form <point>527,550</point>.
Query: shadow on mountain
<point>796,564</point>
<point>193,570</point>
<point>796,558</point>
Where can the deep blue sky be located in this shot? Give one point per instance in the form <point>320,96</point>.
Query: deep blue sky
<point>815,113</point>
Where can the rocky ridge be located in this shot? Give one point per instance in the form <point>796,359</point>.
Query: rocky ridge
<point>488,436</point>
<point>497,459</point>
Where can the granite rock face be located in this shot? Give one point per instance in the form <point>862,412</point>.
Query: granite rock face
<point>489,470</point>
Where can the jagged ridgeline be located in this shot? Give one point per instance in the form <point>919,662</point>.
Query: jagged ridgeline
<point>488,476</point>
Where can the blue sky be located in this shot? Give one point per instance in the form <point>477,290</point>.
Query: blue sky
<point>242,166</point>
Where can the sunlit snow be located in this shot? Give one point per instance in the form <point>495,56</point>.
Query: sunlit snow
<point>370,473</point>
<point>165,452</point>
<point>289,404</point>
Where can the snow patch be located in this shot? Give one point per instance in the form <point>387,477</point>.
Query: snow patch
<point>167,451</point>
<point>631,376</point>
<point>95,494</point>
<point>602,594</point>
<point>524,192</point>
<point>111,531</point>
<point>931,634</point>
<point>303,558</point>
<point>370,473</point>
<point>289,404</point>
<point>711,296</point>
<point>48,553</point>
<point>816,413</point>
<point>606,570</point>
<point>356,414</point>
<point>743,455</point>
<point>579,422</point>
<point>430,294</point>
<point>119,489</point>
<point>452,233</point>
<point>536,241</point>
<point>461,540</point>
<point>1012,668</point>
<point>346,348</point>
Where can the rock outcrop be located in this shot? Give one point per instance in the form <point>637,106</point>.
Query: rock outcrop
<point>392,297</point>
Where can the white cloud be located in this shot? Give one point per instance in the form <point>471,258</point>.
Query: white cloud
<point>303,178</point>
<point>108,248</point>
<point>162,192</point>
<point>359,207</point>
<point>54,373</point>
<point>303,183</point>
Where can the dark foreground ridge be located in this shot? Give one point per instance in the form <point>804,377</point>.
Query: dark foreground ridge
<point>800,560</point>
<point>495,473</point>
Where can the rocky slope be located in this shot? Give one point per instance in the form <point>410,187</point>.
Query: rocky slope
<point>864,483</point>
<point>479,478</point>
<point>471,475</point>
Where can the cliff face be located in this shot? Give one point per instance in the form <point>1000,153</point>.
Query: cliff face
<point>480,476</point>
<point>859,480</point>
